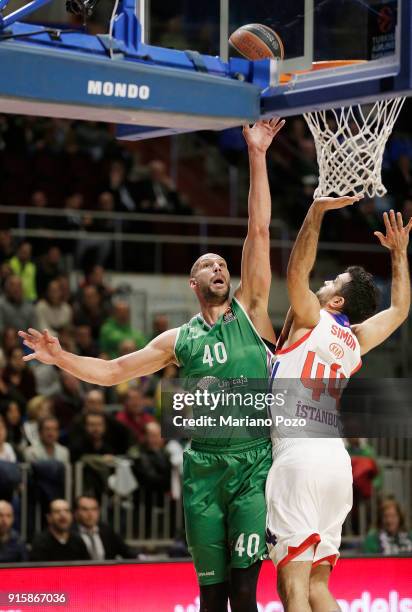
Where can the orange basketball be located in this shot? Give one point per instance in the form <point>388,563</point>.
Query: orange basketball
<point>256,42</point>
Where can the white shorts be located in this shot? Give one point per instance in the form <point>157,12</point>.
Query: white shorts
<point>308,496</point>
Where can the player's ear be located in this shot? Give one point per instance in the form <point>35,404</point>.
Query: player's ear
<point>192,283</point>
<point>337,302</point>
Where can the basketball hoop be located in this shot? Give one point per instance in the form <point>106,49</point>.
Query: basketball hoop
<point>350,141</point>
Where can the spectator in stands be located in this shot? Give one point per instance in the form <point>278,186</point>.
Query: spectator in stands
<point>95,276</point>
<point>95,249</point>
<point>47,447</point>
<point>92,438</point>
<point>160,324</point>
<point>89,310</point>
<point>13,420</point>
<point>18,377</point>
<point>158,193</point>
<point>38,408</point>
<point>10,476</point>
<point>64,283</point>
<point>120,188</point>
<point>49,268</point>
<point>94,401</point>
<point>85,345</point>
<point>47,458</point>
<point>118,435</point>
<point>133,414</point>
<point>364,467</point>
<point>58,543</point>
<point>391,537</point>
<point>52,313</point>
<point>12,549</point>
<point>7,452</point>
<point>66,339</point>
<point>68,403</point>
<point>14,310</point>
<point>118,328</point>
<point>10,340</point>
<point>6,246</point>
<point>23,267</point>
<point>47,378</point>
<point>93,447</point>
<point>73,221</point>
<point>152,467</point>
<point>100,539</point>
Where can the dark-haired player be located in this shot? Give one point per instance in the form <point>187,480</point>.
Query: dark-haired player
<point>309,487</point>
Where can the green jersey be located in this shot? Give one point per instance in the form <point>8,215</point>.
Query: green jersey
<point>226,356</point>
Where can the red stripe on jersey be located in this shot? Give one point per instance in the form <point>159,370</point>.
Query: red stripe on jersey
<point>295,344</point>
<point>294,551</point>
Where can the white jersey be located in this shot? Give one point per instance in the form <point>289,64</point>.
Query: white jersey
<point>317,367</point>
<point>309,486</point>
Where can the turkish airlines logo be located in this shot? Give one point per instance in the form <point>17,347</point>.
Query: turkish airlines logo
<point>336,350</point>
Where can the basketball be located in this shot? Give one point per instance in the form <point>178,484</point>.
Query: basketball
<point>256,42</point>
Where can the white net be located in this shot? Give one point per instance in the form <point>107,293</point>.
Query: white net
<point>350,143</point>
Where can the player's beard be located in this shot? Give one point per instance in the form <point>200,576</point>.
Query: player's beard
<point>213,298</point>
<point>320,294</point>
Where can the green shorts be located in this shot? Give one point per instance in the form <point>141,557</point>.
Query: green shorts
<point>225,509</point>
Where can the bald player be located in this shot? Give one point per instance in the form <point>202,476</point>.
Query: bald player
<point>224,477</point>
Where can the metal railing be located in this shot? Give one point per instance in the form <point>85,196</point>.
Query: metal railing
<point>24,498</point>
<point>147,518</point>
<point>179,231</point>
<point>142,517</point>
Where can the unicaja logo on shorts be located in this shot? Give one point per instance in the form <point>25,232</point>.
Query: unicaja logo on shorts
<point>208,573</point>
<point>118,90</point>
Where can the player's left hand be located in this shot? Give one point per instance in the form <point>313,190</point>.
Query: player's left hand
<point>397,235</point>
<point>261,134</point>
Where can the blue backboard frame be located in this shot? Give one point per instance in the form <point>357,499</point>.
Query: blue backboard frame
<point>46,73</point>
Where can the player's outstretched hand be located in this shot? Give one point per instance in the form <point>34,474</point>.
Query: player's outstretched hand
<point>397,235</point>
<point>261,134</point>
<point>335,203</point>
<point>46,347</point>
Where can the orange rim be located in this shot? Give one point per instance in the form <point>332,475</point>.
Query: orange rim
<point>324,65</point>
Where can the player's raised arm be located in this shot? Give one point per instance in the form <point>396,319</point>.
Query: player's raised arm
<point>304,303</point>
<point>155,356</point>
<point>378,328</point>
<point>254,288</point>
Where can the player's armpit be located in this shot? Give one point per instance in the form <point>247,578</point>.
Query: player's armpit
<point>156,355</point>
<point>378,328</point>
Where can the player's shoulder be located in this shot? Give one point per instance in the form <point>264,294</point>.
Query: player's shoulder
<point>166,339</point>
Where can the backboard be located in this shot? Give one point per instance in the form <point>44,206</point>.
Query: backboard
<point>372,36</point>
<point>139,71</point>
